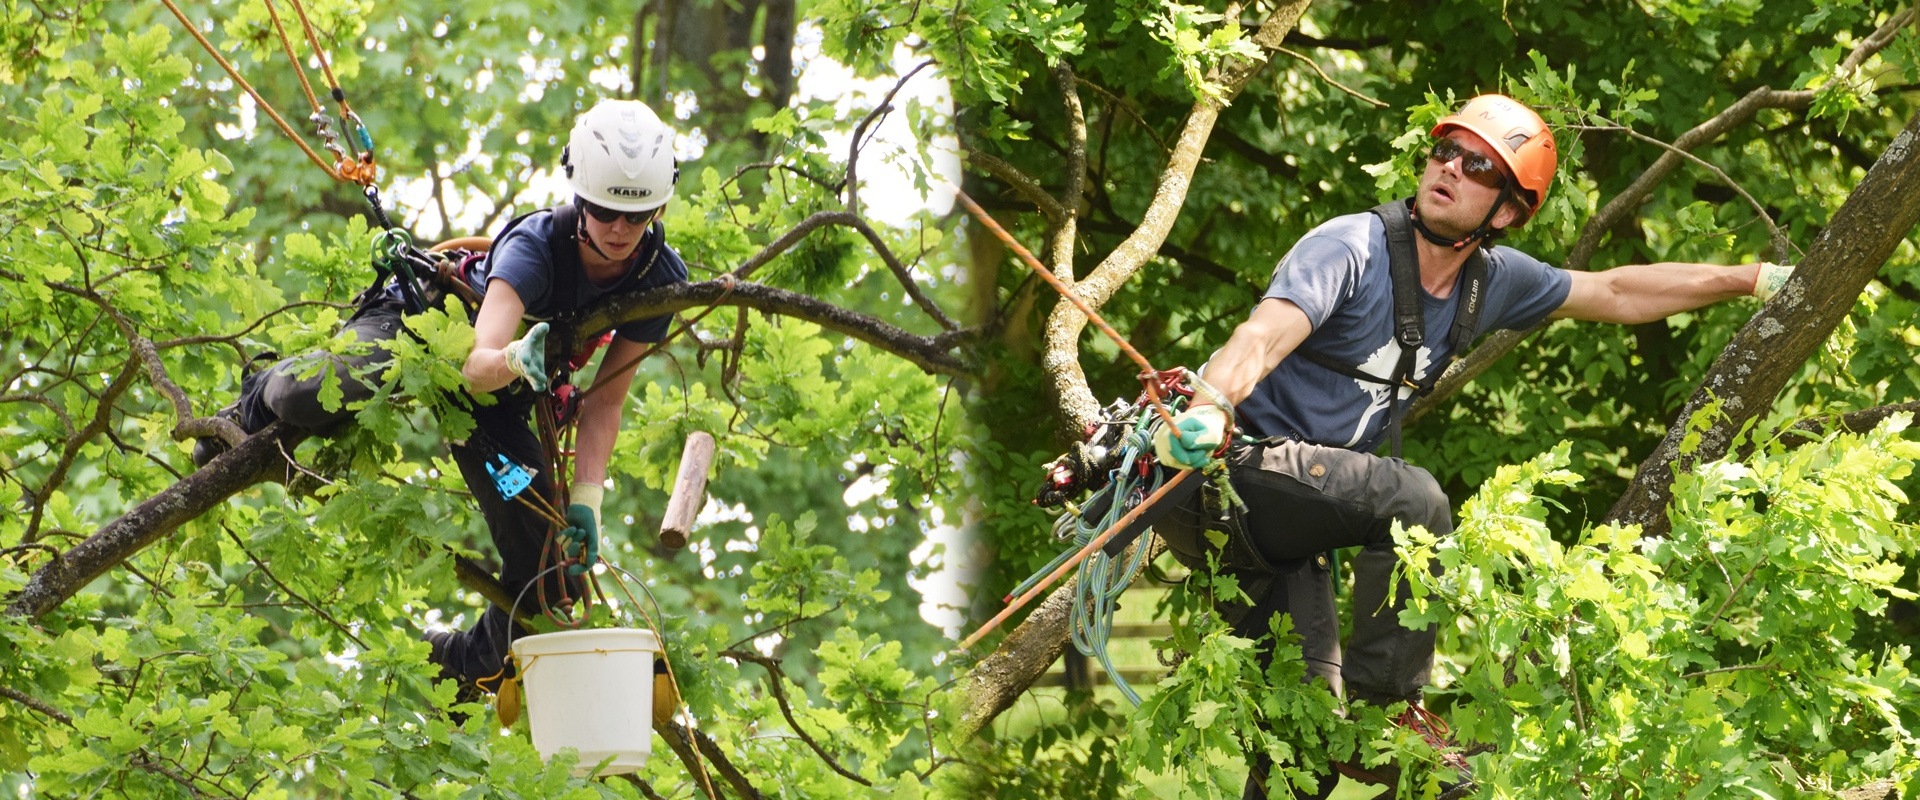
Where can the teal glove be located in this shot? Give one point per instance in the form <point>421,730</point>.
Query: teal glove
<point>527,357</point>
<point>583,518</point>
<point>1771,277</point>
<point>1190,442</point>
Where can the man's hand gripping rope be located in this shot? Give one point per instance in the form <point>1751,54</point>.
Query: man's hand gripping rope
<point>1198,437</point>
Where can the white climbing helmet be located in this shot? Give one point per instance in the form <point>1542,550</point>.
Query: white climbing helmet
<point>620,156</point>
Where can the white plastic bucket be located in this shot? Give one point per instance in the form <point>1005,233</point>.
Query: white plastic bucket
<point>592,691</point>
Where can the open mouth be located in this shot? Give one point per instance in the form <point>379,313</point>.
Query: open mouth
<point>1442,192</point>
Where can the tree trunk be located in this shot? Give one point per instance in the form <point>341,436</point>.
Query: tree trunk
<point>1766,353</point>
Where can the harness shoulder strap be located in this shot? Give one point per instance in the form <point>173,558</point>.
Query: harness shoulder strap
<point>563,251</point>
<point>1403,265</point>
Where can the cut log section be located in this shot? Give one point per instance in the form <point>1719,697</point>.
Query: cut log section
<point>689,490</point>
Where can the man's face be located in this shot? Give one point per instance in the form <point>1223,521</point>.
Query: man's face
<point>1450,202</point>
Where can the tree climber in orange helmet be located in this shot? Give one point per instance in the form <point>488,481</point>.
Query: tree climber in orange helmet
<point>1361,317</point>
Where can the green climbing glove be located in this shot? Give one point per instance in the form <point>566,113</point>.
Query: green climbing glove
<point>1195,434</point>
<point>584,518</point>
<point>1767,283</point>
<point>527,357</point>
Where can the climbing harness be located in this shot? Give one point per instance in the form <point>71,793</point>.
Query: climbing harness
<point>1409,322</point>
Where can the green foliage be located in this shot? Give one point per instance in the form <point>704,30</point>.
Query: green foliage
<point>1721,657</point>
<point>271,647</point>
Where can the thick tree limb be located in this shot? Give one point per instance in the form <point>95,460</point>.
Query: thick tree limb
<point>930,353</point>
<point>254,460</point>
<point>1766,353</point>
<point>691,746</point>
<point>1066,231</point>
<point>1851,422</point>
<point>1062,356</point>
<point>1020,659</point>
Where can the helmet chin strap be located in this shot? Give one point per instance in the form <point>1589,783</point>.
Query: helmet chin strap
<point>581,233</point>
<point>1484,231</point>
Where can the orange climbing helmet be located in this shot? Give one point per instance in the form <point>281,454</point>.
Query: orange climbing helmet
<point>1518,136</point>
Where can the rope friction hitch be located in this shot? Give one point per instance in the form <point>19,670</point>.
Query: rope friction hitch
<point>353,163</point>
<point>1129,489</point>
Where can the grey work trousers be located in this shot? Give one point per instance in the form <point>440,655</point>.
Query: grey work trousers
<point>1303,500</point>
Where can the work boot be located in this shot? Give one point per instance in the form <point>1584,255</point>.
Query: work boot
<point>469,692</point>
<point>208,448</point>
<point>1434,731</point>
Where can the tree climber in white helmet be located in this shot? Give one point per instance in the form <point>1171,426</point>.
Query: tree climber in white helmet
<point>620,165</point>
<point>1373,307</point>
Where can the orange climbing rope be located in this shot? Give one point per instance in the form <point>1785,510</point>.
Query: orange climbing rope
<point>361,170</point>
<point>1149,377</point>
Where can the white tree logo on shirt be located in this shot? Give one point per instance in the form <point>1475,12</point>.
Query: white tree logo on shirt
<point>1382,363</point>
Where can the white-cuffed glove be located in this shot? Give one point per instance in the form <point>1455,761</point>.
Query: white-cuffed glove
<point>527,357</point>
<point>1191,440</point>
<point>1768,281</point>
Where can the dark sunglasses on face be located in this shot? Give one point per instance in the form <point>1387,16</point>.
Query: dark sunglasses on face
<point>1478,168</point>
<point>638,219</point>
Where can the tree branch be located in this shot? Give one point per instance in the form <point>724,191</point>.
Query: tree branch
<point>860,130</point>
<point>1066,231</point>
<point>1765,354</point>
<point>691,745</point>
<point>37,705</point>
<point>254,460</point>
<point>1021,183</point>
<point>1068,382</point>
<point>103,415</point>
<point>774,676</point>
<point>1329,80</point>
<point>848,220</point>
<point>1781,246</point>
<point>930,353</point>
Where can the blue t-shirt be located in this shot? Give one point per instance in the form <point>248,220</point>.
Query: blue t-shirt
<point>522,257</point>
<point>1338,275</point>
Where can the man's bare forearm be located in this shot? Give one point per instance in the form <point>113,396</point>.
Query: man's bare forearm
<point>1639,293</point>
<point>1256,347</point>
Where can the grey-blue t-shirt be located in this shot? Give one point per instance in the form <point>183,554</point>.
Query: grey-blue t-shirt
<point>523,258</point>
<point>1338,275</point>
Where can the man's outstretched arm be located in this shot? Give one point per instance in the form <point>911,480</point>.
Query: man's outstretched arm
<point>1256,347</point>
<point>1646,292</point>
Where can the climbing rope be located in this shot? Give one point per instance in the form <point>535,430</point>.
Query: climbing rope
<point>1103,578</point>
<point>1148,375</point>
<point>358,168</point>
<point>1121,473</point>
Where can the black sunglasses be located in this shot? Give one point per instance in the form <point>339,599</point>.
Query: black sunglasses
<point>1478,168</point>
<point>638,219</point>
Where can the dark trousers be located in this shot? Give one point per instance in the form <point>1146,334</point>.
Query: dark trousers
<point>280,392</point>
<point>1302,501</point>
